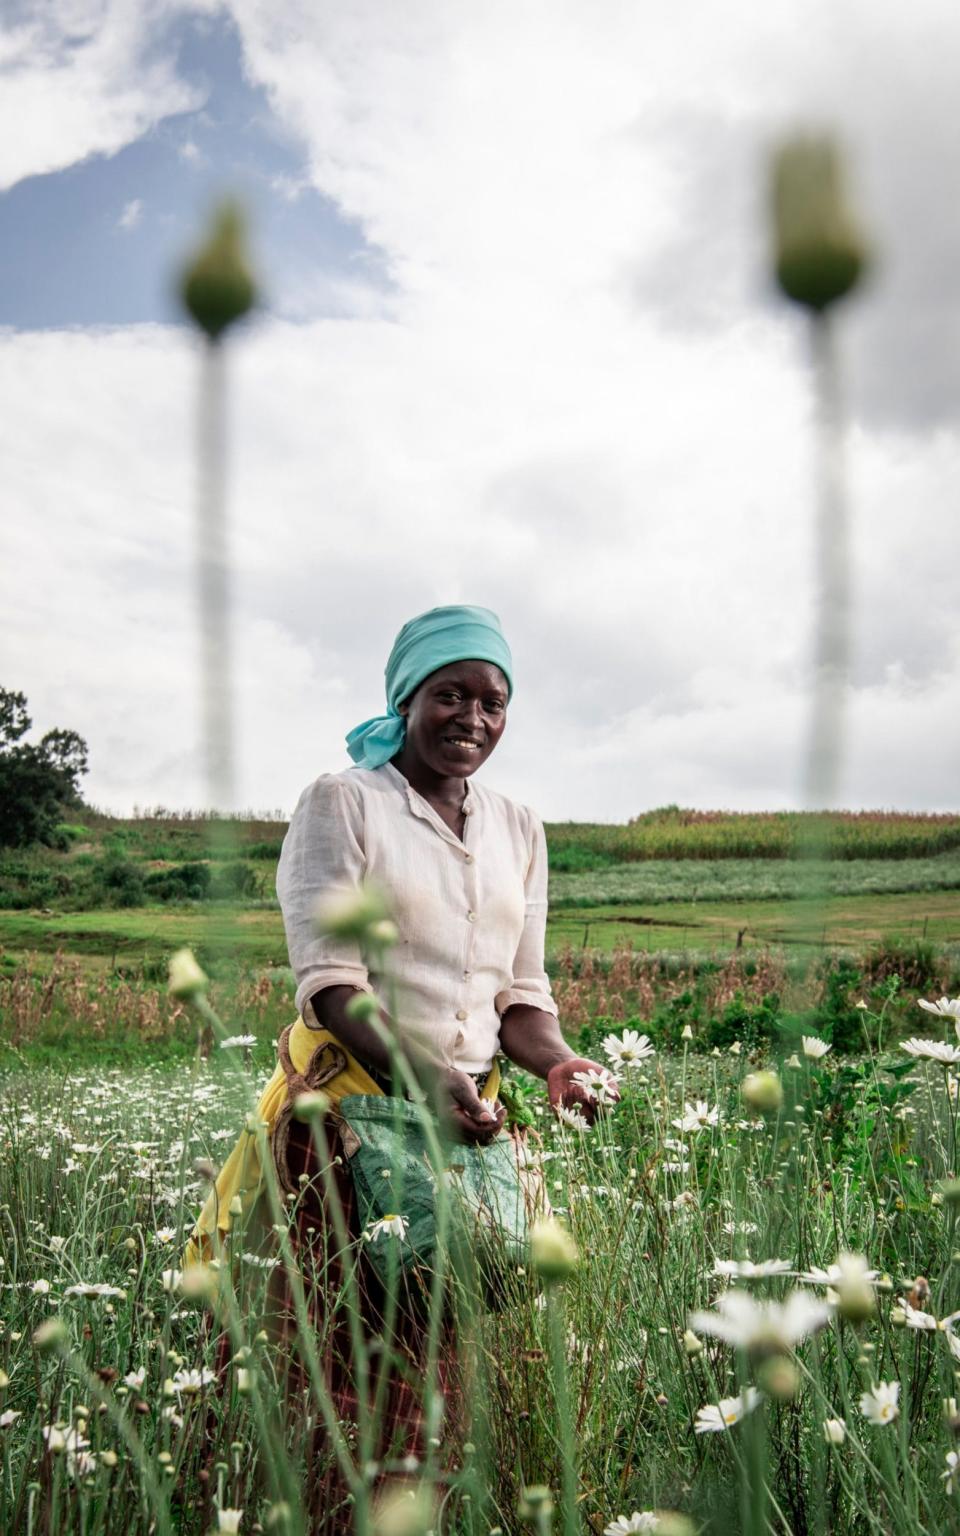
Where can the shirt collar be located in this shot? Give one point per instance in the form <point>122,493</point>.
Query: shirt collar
<point>421,807</point>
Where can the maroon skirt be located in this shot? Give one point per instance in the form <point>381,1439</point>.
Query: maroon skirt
<point>399,1364</point>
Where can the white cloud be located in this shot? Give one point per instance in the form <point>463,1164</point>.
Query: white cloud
<point>525,422</point>
<point>132,214</point>
<point>77,79</point>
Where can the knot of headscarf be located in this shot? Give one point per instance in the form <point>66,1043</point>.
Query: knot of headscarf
<point>424,644</point>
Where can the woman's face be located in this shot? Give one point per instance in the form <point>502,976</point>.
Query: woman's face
<point>456,717</point>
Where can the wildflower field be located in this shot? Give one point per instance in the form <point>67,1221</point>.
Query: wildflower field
<point>755,1333</point>
<point>754,1330</point>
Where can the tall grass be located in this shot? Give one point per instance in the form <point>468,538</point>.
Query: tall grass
<point>672,833</point>
<point>99,1181</point>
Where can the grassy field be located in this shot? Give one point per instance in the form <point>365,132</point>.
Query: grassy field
<point>255,936</point>
<point>661,1373</point>
<point>659,880</point>
<point>102,862</point>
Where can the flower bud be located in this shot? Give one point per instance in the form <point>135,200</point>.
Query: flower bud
<point>671,1523</point>
<point>307,1106</point>
<point>50,1335</point>
<point>834,1431</point>
<point>855,1295</point>
<point>217,287</point>
<point>199,1282</point>
<point>779,1377</point>
<point>763,1091</point>
<point>186,979</point>
<point>385,933</point>
<point>819,251</point>
<point>349,914</point>
<point>403,1511</point>
<point>534,1501</point>
<point>691,1344</point>
<point>553,1251</point>
<point>363,1006</point>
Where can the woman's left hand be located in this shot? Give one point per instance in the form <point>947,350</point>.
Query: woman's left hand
<point>564,1090</point>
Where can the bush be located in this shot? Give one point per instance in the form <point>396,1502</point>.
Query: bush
<point>184,882</point>
<point>264,850</point>
<point>114,882</point>
<point>915,963</point>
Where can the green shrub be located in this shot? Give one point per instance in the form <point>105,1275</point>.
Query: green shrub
<point>184,882</point>
<point>233,880</point>
<point>269,850</point>
<point>914,962</point>
<point>113,881</point>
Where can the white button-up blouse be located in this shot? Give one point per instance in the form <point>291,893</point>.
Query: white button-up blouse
<point>471,915</point>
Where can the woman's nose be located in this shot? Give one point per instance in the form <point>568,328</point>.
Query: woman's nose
<point>470,714</point>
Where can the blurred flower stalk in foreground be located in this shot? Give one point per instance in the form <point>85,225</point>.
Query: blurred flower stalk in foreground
<point>819,258</point>
<point>217,290</point>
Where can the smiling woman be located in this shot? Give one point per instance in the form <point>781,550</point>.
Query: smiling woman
<point>464,873</point>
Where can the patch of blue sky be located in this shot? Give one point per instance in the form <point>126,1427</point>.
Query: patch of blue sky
<point>100,242</point>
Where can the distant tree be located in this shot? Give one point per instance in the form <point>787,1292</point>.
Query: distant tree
<point>37,782</point>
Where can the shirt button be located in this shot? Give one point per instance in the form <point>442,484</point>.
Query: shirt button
<point>467,975</point>
<point>461,1014</point>
<point>471,917</point>
<point>469,859</point>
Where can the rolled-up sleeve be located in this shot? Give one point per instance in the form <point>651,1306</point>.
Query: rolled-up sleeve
<point>322,853</point>
<point>530,984</point>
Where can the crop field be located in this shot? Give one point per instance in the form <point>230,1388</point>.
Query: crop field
<point>692,1370</point>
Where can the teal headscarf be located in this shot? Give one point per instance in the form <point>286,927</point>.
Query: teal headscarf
<point>424,644</point>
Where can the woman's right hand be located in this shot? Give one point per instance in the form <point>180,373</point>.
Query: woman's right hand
<point>471,1119</point>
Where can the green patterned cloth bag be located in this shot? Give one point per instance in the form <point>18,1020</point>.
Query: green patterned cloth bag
<point>494,1192</point>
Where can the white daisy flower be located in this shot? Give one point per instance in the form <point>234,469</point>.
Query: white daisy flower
<point>99,1291</point>
<point>697,1117</point>
<point>847,1268</point>
<point>815,1047</point>
<point>394,1226</point>
<point>716,1417</point>
<point>932,1050</point>
<point>745,1269</point>
<point>600,1084</point>
<point>922,1322</point>
<point>769,1327</point>
<point>164,1235</point>
<point>628,1050</point>
<point>135,1379</point>
<point>640,1520</point>
<point>190,1383</point>
<point>834,1431</point>
<point>952,1475</point>
<point>573,1117</point>
<point>944,1008</point>
<point>229,1520</point>
<point>880,1405</point>
<point>234,1042</point>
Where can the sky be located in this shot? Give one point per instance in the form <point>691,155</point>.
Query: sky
<point>518,346</point>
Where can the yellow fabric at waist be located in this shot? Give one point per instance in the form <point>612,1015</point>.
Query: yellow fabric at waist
<point>241,1176</point>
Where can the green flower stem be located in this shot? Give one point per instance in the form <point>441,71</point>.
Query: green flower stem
<point>558,1369</point>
